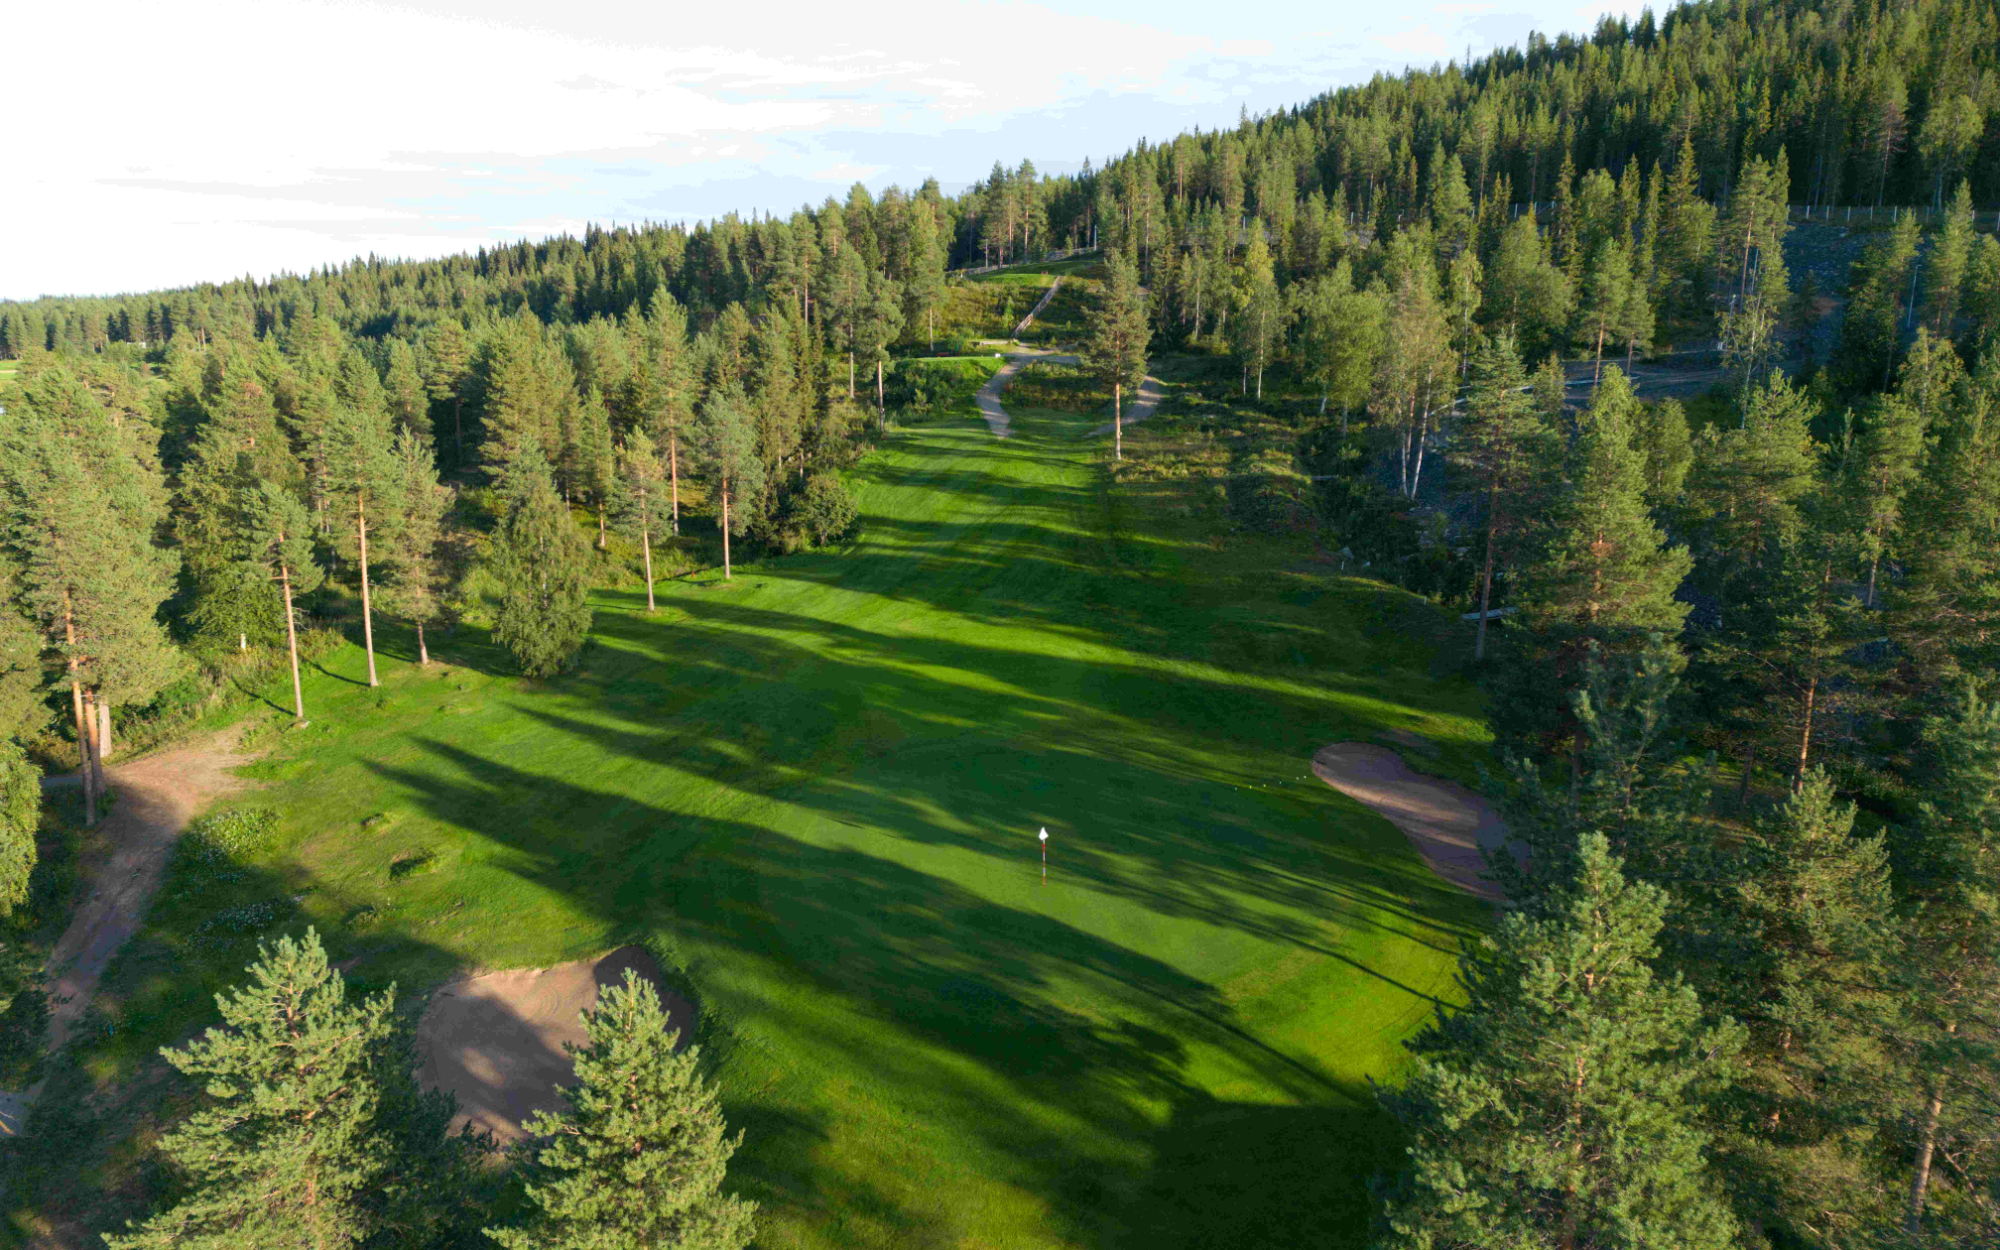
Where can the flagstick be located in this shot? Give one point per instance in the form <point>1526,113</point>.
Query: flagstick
<point>1045,857</point>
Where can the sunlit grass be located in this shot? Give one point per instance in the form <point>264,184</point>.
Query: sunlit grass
<point>814,791</point>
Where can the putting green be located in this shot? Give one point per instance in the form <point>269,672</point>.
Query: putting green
<point>815,792</point>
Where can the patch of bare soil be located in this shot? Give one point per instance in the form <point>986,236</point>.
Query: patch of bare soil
<point>496,1041</point>
<point>156,797</point>
<point>1449,825</point>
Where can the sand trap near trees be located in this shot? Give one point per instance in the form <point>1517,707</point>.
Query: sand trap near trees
<point>1447,823</point>
<point>497,1041</point>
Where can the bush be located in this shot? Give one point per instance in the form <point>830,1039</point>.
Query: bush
<point>824,510</point>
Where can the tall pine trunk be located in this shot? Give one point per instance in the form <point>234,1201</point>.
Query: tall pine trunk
<point>1117,420</point>
<point>104,728</point>
<point>725,529</point>
<point>91,704</point>
<point>600,521</point>
<point>881,408</point>
<point>1920,1184</point>
<point>646,545</point>
<point>367,615</point>
<point>423,650</point>
<point>674,476</point>
<point>292,642</point>
<point>82,733</point>
<point>1486,573</point>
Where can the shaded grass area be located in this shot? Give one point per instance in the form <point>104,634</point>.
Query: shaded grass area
<point>813,791</point>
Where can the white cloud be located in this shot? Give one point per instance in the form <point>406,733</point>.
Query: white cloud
<point>173,145</point>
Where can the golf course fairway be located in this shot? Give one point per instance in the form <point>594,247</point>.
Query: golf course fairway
<point>814,793</point>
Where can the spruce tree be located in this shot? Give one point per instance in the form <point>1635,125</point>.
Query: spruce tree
<point>544,568</point>
<point>449,357</point>
<point>1560,1106</point>
<point>286,1149</point>
<point>638,1155</point>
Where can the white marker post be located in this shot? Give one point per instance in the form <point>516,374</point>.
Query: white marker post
<point>1045,856</point>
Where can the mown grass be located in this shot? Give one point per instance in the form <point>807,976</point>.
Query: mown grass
<point>814,792</point>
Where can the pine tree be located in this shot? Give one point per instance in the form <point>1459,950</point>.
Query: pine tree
<point>1950,257</point>
<point>363,484</point>
<point>276,540</point>
<point>78,511</point>
<point>1502,445</point>
<point>1947,870</point>
<point>1605,290</point>
<point>407,394</point>
<point>1882,465</point>
<point>287,1148</point>
<point>641,477</point>
<point>1607,568</point>
<point>415,589</point>
<point>1559,1106</point>
<point>20,818</point>
<point>544,566</point>
<point>1662,434</point>
<point>1800,947</point>
<point>726,442</point>
<point>880,322</point>
<point>1526,291</point>
<point>1119,334</point>
<point>590,466</point>
<point>638,1156</point>
<point>1871,334</point>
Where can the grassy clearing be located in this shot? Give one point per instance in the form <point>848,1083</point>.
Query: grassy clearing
<point>814,791</point>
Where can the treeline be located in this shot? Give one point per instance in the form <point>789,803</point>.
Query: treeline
<point>1765,1012</point>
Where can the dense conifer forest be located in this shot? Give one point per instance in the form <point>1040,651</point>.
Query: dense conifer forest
<point>1669,355</point>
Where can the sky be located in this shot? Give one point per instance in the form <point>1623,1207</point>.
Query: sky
<point>159,145</point>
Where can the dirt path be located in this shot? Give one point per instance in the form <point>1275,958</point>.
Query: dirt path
<point>1448,824</point>
<point>496,1041</point>
<point>156,797</point>
<point>988,396</point>
<point>1142,406</point>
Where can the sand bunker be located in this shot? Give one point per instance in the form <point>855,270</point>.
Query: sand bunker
<point>1447,823</point>
<point>497,1041</point>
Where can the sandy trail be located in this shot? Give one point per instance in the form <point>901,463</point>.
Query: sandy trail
<point>156,797</point>
<point>1449,825</point>
<point>1141,406</point>
<point>496,1041</point>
